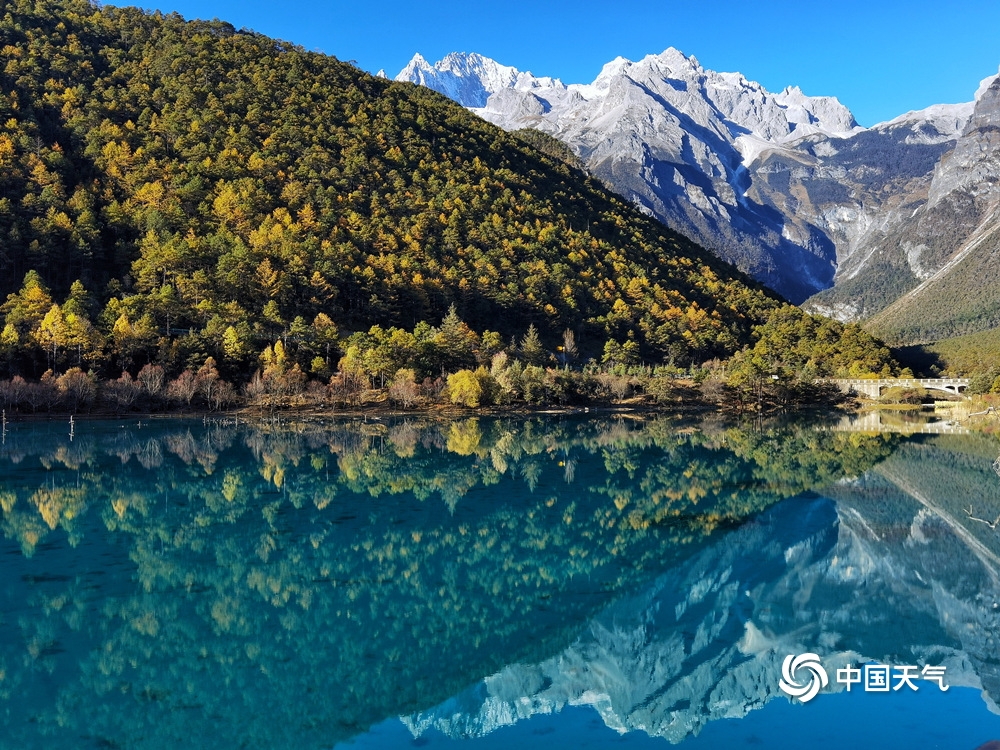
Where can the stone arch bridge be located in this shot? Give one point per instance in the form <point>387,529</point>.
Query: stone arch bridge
<point>872,387</point>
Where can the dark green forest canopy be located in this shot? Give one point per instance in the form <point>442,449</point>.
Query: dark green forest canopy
<point>214,190</point>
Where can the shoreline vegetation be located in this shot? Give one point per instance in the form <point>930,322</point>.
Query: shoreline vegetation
<point>505,389</point>
<point>427,367</point>
<point>449,366</point>
<point>482,391</point>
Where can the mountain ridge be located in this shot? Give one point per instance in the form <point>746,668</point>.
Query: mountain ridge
<point>942,255</point>
<point>787,187</point>
<point>676,139</point>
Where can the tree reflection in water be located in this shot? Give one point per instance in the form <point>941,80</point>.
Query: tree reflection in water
<point>290,586</point>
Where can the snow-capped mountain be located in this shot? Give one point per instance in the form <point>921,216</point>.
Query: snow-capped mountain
<point>469,79</point>
<point>673,137</point>
<point>784,185</point>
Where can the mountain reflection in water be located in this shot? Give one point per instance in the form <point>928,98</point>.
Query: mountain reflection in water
<point>888,567</point>
<point>222,586</point>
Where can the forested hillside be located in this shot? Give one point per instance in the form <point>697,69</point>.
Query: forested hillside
<point>976,356</point>
<point>173,191</point>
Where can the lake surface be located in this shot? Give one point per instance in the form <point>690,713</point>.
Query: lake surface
<point>492,583</point>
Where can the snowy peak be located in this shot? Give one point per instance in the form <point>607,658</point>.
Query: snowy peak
<point>671,136</point>
<point>984,85</point>
<point>416,67</point>
<point>935,124</point>
<point>824,112</point>
<point>469,78</point>
<point>948,120</point>
<point>786,186</point>
<point>986,112</point>
<point>743,103</point>
<point>610,71</point>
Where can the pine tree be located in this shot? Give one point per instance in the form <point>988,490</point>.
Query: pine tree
<point>456,342</point>
<point>531,349</point>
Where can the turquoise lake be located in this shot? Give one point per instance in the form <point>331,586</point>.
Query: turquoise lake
<point>481,583</point>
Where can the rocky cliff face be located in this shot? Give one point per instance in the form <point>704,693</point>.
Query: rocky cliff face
<point>676,139</point>
<point>786,186</point>
<point>937,254</point>
<point>851,186</point>
<point>847,580</point>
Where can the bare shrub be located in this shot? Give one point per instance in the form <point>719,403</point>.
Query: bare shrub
<point>183,389</point>
<point>152,379</point>
<point>76,388</point>
<point>404,389</point>
<point>42,393</point>
<point>716,391</point>
<point>621,386</point>
<point>345,388</point>
<point>281,383</point>
<point>223,395</point>
<point>207,380</point>
<point>614,385</point>
<point>432,388</point>
<point>316,392</point>
<point>12,392</point>
<point>294,381</point>
<point>122,394</point>
<point>255,390</point>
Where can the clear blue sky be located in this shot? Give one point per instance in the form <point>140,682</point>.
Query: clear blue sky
<point>879,57</point>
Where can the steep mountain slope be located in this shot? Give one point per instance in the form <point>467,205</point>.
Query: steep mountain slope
<point>201,179</point>
<point>952,242</point>
<point>854,191</point>
<point>786,186</point>
<point>216,191</point>
<point>673,137</point>
<point>976,355</point>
